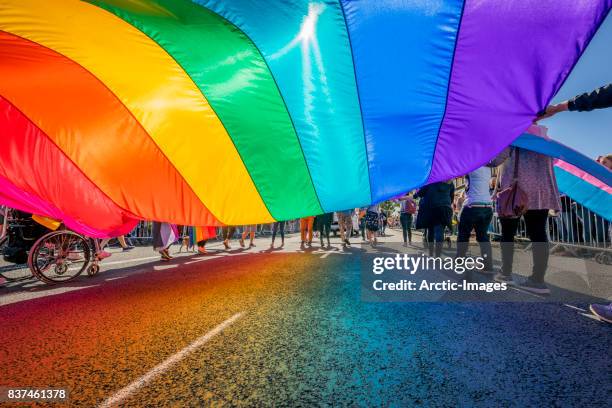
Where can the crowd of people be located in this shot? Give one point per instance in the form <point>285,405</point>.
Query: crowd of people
<point>523,186</point>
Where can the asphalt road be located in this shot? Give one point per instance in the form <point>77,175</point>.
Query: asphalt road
<point>289,328</point>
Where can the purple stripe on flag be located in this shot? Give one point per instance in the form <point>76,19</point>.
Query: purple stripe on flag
<point>511,58</point>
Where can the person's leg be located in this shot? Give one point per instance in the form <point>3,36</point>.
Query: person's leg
<point>409,228</point>
<point>439,238</point>
<point>303,227</point>
<point>310,232</point>
<point>465,229</point>
<point>404,223</point>
<point>328,223</point>
<point>430,240</point>
<point>282,232</point>
<point>349,228</point>
<point>536,222</point>
<point>274,230</point>
<point>508,230</point>
<point>481,225</point>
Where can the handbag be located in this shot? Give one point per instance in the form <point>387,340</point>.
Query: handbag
<point>512,201</point>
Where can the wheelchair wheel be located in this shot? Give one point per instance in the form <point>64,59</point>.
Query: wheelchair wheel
<point>59,256</point>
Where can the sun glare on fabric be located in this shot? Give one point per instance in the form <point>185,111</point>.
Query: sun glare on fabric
<point>308,42</point>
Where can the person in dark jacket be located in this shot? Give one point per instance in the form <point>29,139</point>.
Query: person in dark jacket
<point>435,212</point>
<point>598,99</point>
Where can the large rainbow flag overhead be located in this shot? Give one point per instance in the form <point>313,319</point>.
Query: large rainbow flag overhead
<point>212,112</point>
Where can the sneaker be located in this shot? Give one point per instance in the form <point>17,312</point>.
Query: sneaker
<point>103,255</point>
<point>535,287</point>
<point>604,312</point>
<point>128,248</point>
<point>502,278</point>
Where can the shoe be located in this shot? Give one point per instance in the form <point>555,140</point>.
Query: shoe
<point>604,312</point>
<point>103,255</point>
<point>347,242</point>
<point>405,244</point>
<point>202,250</point>
<point>128,248</point>
<point>502,278</point>
<point>242,242</point>
<point>535,287</point>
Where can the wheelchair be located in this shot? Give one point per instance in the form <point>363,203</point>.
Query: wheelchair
<point>52,256</point>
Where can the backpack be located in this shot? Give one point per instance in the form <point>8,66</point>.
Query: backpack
<point>410,206</point>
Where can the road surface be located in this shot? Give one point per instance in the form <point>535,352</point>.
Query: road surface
<point>288,328</point>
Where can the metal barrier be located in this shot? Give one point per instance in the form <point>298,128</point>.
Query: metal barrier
<point>143,232</point>
<point>575,226</point>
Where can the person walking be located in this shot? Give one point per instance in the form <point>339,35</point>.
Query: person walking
<point>435,213</point>
<point>202,235</point>
<point>372,223</point>
<point>227,232</point>
<point>324,222</point>
<point>276,227</point>
<point>345,223</point>
<point>383,222</point>
<point>534,175</point>
<point>600,98</point>
<point>248,231</point>
<point>476,214</point>
<point>306,224</point>
<point>362,223</point>
<point>407,211</point>
<point>164,235</point>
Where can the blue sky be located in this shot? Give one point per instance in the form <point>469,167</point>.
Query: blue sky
<point>587,132</point>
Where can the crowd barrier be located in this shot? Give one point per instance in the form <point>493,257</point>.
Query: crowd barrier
<point>143,232</point>
<point>576,227</point>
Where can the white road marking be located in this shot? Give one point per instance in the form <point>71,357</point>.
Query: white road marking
<point>23,296</point>
<point>115,278</point>
<point>574,307</point>
<point>591,316</point>
<point>127,391</point>
<point>149,258</point>
<point>527,292</point>
<point>202,259</point>
<point>163,267</point>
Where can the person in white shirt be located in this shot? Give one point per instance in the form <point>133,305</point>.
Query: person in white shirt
<point>476,215</point>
